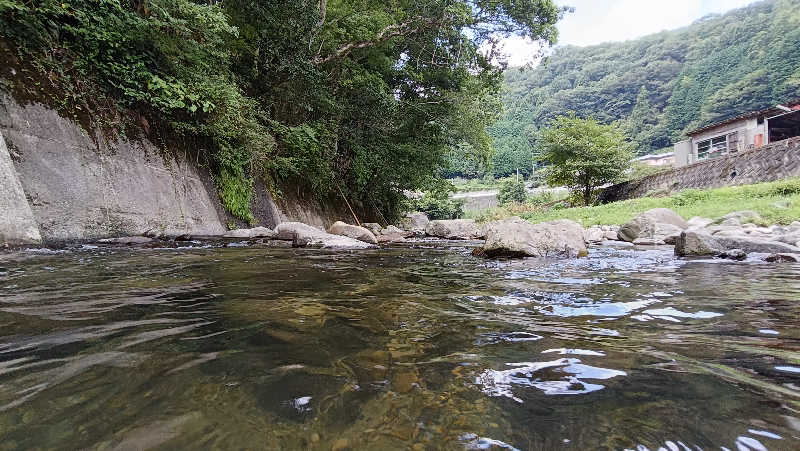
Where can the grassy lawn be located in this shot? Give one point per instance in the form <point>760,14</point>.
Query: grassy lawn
<point>777,202</point>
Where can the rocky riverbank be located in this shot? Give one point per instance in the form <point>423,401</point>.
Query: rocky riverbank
<point>735,236</point>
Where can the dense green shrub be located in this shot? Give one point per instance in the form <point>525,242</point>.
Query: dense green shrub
<point>438,204</point>
<point>367,98</point>
<point>513,190</point>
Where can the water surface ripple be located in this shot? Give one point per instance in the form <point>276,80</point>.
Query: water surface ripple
<point>419,346</point>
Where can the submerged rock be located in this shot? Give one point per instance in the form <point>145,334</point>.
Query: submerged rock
<point>734,254</point>
<point>127,240</point>
<point>655,224</point>
<point>454,229</point>
<point>352,231</point>
<point>519,238</point>
<point>783,258</point>
<point>691,243</point>
<point>303,235</point>
<point>751,244</point>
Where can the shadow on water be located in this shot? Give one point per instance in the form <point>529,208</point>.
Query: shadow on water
<point>418,346</point>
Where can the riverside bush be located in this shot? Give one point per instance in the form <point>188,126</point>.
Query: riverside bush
<point>513,190</point>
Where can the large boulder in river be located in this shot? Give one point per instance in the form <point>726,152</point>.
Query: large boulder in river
<point>255,232</point>
<point>415,222</point>
<point>303,235</point>
<point>519,238</point>
<point>357,232</point>
<point>692,243</point>
<point>453,229</point>
<point>646,225</point>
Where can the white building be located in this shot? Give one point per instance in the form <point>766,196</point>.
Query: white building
<point>743,132</point>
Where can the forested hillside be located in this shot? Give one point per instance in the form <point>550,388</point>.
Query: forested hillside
<point>355,98</point>
<point>661,85</point>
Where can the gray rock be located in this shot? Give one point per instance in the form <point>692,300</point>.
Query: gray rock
<point>729,230</point>
<point>691,243</point>
<point>127,240</point>
<point>17,222</point>
<point>352,231</point>
<point>783,258</point>
<point>80,188</point>
<point>391,238</point>
<point>303,235</point>
<point>741,216</point>
<point>731,222</point>
<point>255,232</point>
<point>699,222</point>
<point>611,235</point>
<point>789,238</point>
<point>645,225</point>
<point>392,230</point>
<point>415,222</point>
<point>749,244</point>
<point>518,238</point>
<point>373,227</point>
<point>594,235</point>
<point>734,254</point>
<point>453,229</point>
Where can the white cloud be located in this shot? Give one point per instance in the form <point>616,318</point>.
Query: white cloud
<point>598,21</point>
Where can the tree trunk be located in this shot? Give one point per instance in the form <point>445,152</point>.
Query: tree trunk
<point>587,194</point>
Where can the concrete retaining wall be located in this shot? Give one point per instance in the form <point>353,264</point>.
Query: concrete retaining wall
<point>59,184</point>
<point>17,224</point>
<point>775,161</point>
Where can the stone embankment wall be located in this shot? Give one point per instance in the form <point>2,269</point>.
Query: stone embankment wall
<point>57,183</point>
<point>775,161</point>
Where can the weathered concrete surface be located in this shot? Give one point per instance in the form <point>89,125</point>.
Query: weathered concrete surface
<point>774,161</point>
<point>79,189</point>
<point>17,224</point>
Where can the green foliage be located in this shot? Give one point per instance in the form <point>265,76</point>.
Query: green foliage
<point>366,97</point>
<point>583,154</point>
<point>664,84</point>
<point>513,190</point>
<point>438,204</point>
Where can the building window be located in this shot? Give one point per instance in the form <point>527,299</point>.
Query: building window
<point>713,148</point>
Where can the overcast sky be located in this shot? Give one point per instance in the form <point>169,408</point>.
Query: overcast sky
<point>598,21</point>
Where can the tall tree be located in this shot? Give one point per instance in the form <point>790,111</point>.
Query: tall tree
<point>583,154</point>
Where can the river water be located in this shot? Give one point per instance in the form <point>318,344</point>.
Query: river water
<point>418,346</point>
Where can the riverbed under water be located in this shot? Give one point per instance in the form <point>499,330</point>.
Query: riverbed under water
<point>415,346</point>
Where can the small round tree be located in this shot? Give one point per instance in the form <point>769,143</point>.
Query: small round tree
<point>512,190</point>
<point>583,154</point>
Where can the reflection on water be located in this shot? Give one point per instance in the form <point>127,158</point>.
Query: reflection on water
<point>411,347</point>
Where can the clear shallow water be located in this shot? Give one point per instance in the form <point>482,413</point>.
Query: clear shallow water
<point>412,347</point>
